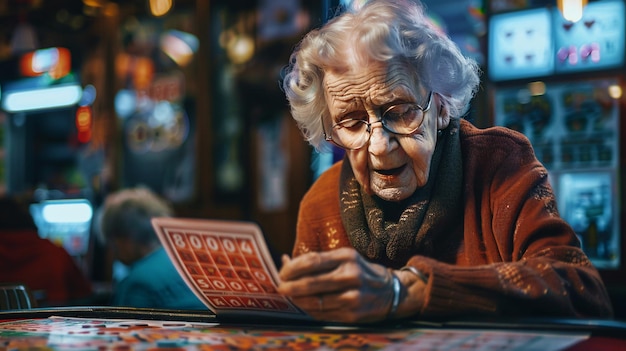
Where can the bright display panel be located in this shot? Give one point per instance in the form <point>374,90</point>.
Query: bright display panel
<point>520,45</point>
<point>574,130</point>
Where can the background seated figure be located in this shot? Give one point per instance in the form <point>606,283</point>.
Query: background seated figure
<point>45,268</point>
<point>152,281</point>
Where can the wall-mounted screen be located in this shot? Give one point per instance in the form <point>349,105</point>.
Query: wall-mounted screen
<point>539,42</point>
<point>595,42</point>
<point>520,45</point>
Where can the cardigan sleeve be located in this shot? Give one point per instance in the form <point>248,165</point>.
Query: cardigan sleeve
<point>319,226</point>
<point>523,258</point>
<point>547,285</point>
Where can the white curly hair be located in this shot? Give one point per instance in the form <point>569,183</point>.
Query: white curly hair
<point>379,30</point>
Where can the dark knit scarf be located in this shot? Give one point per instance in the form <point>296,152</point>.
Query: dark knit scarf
<point>391,232</point>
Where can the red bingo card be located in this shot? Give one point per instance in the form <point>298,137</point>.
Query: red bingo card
<point>226,264</point>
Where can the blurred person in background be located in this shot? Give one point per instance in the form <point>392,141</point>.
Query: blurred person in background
<point>45,268</point>
<point>152,281</point>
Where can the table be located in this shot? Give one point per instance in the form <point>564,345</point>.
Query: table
<point>115,328</point>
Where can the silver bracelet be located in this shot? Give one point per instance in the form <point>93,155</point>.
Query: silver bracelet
<point>395,282</point>
<point>415,271</point>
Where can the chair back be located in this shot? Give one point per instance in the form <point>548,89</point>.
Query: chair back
<point>15,297</point>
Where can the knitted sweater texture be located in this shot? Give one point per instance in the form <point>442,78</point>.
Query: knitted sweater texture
<point>510,254</point>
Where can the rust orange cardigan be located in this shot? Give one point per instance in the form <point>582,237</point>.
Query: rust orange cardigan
<point>511,255</point>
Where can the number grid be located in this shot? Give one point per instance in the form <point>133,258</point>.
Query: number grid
<point>228,269</point>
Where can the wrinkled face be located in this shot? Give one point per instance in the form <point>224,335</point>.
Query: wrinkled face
<point>389,166</point>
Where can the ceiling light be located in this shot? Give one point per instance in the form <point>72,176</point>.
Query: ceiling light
<point>36,99</point>
<point>572,10</point>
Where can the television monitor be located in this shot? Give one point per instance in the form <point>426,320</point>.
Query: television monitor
<point>593,43</point>
<point>66,223</point>
<point>520,45</point>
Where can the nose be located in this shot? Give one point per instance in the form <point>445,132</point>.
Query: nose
<point>380,139</point>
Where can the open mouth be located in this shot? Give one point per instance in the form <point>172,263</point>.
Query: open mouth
<point>391,172</point>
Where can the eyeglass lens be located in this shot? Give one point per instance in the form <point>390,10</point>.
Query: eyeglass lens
<point>402,119</point>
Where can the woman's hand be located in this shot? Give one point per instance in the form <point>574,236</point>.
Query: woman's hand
<point>338,285</point>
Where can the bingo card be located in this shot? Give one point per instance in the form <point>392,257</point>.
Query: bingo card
<point>226,264</point>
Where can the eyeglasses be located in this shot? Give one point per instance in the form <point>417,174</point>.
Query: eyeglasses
<point>401,119</point>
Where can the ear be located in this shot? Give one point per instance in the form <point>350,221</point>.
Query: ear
<point>443,118</point>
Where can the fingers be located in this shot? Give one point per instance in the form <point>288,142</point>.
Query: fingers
<point>347,307</point>
<point>329,272</point>
<point>285,258</point>
<point>320,273</point>
<point>303,265</point>
<point>324,305</point>
<point>319,283</point>
<point>337,285</point>
<point>313,263</point>
<point>342,286</point>
<point>312,304</point>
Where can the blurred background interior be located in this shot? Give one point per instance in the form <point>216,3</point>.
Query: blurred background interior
<point>183,96</point>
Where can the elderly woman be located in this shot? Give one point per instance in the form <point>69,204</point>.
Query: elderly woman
<point>427,215</point>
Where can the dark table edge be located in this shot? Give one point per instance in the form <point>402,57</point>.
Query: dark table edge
<point>596,327</point>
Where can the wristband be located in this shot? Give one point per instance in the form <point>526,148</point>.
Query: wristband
<point>395,283</point>
<point>415,271</point>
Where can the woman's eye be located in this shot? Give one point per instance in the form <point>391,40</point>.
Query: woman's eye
<point>350,123</point>
<point>401,113</point>
<point>354,116</point>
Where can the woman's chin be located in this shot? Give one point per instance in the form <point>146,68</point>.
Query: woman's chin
<point>393,194</point>
<point>396,188</point>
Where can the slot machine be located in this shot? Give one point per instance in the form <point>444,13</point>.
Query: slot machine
<point>46,126</point>
<point>560,83</point>
<point>67,223</point>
